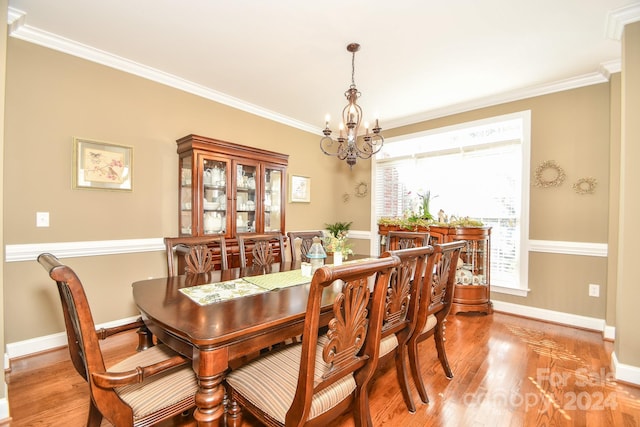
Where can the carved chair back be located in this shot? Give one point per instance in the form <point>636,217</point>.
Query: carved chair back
<point>306,240</point>
<point>406,239</point>
<point>195,254</point>
<point>401,309</point>
<point>403,296</point>
<point>260,250</point>
<point>439,290</point>
<point>435,303</point>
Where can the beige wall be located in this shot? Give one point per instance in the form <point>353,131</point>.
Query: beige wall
<point>52,97</point>
<point>3,57</point>
<point>614,197</point>
<point>572,128</point>
<point>628,292</point>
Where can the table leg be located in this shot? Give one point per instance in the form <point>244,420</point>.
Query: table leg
<point>210,366</point>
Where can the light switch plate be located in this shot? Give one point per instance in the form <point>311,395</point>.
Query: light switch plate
<point>42,219</point>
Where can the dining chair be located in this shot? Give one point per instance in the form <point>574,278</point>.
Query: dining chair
<point>306,240</point>
<point>140,390</point>
<point>435,302</point>
<point>260,250</point>
<point>195,254</point>
<point>401,309</point>
<point>406,239</point>
<point>311,383</point>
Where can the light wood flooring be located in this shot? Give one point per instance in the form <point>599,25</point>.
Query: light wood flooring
<point>509,371</point>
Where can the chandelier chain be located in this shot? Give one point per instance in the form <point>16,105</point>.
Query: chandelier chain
<point>353,69</point>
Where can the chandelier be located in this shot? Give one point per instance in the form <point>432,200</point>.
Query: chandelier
<point>349,145</point>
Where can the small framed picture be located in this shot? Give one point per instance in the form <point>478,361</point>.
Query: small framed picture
<point>102,165</point>
<point>299,189</point>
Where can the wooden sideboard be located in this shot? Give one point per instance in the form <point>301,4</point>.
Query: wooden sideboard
<point>473,277</point>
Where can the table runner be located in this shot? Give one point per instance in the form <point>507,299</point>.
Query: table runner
<point>216,292</point>
<point>282,279</point>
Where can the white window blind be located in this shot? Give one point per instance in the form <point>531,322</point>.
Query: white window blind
<point>476,171</point>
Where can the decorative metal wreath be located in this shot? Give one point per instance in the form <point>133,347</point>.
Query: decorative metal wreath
<point>361,189</point>
<point>585,185</point>
<point>543,182</point>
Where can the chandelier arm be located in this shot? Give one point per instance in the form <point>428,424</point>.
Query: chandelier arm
<point>371,145</point>
<point>327,142</point>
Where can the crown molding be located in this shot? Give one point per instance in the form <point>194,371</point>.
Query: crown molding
<point>544,89</point>
<point>610,67</point>
<point>18,29</point>
<point>618,18</point>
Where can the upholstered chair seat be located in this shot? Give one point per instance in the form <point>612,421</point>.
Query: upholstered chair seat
<point>270,382</point>
<point>158,392</point>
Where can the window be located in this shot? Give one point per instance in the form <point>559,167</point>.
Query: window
<point>478,170</point>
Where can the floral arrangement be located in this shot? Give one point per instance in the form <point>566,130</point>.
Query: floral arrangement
<point>419,216</point>
<point>336,241</point>
<point>413,223</point>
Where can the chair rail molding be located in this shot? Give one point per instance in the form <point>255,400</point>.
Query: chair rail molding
<point>569,248</point>
<point>30,252</point>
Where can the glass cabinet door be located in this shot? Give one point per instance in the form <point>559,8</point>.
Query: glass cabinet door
<point>186,200</point>
<point>272,199</point>
<point>214,191</point>
<point>246,202</point>
<point>474,263</point>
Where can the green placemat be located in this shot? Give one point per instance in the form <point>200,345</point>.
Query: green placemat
<point>222,291</point>
<point>282,279</point>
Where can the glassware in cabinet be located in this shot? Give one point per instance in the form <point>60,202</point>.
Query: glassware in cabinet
<point>273,199</point>
<point>214,191</point>
<point>186,199</point>
<point>246,201</point>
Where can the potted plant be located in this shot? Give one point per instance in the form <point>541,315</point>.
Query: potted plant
<point>336,241</point>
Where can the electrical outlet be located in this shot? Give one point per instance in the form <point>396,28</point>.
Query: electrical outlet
<point>594,290</point>
<point>42,219</point>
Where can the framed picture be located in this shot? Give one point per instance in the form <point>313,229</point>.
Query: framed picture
<point>102,165</point>
<point>299,189</point>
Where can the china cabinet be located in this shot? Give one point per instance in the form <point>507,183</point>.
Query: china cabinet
<point>226,188</point>
<point>472,288</point>
<point>473,282</point>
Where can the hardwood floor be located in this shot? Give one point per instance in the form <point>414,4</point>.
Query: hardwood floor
<point>509,371</point>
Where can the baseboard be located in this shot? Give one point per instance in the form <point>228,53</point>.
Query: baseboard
<point>569,319</point>
<point>4,411</point>
<point>626,373</point>
<point>49,342</point>
<point>609,333</point>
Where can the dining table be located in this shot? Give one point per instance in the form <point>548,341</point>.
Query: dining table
<point>226,317</point>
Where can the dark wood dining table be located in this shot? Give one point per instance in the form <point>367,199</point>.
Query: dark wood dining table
<point>216,335</point>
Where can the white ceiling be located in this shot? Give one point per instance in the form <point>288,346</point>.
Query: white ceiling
<point>287,59</point>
